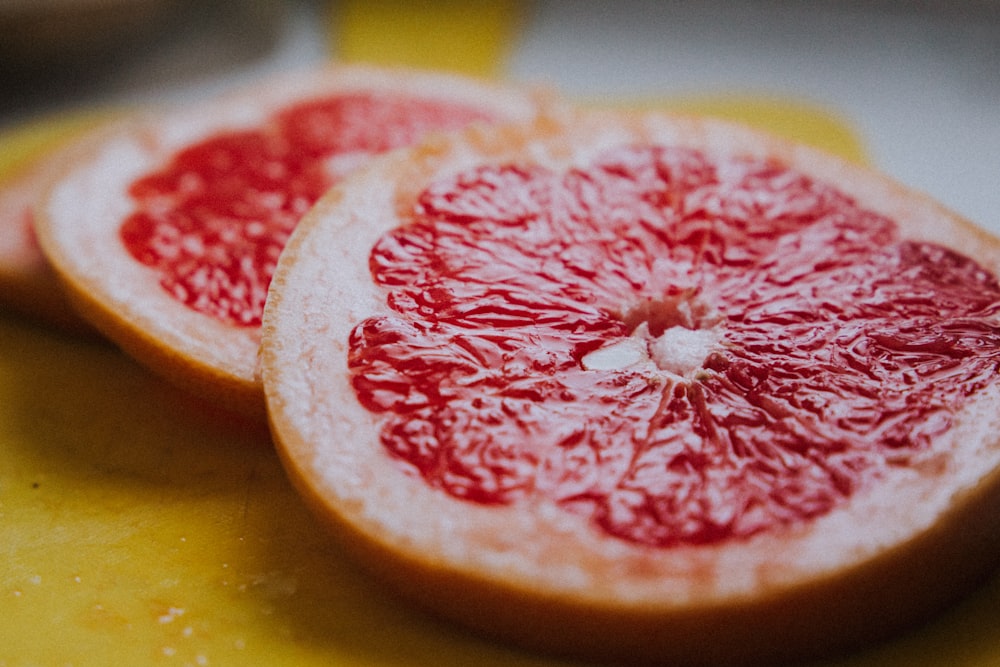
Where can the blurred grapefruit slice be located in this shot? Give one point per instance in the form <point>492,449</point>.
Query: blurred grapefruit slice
<point>167,232</point>
<point>644,387</point>
<point>33,154</point>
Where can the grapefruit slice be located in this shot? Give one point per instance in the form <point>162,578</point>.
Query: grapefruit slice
<point>167,232</point>
<point>644,387</point>
<point>28,284</point>
<point>37,151</point>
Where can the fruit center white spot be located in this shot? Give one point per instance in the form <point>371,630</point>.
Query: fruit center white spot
<point>682,351</point>
<point>673,335</point>
<point>620,354</point>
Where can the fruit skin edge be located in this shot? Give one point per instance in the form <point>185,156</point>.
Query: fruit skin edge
<point>540,625</point>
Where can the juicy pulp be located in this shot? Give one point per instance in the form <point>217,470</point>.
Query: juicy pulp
<point>838,348</point>
<point>214,219</point>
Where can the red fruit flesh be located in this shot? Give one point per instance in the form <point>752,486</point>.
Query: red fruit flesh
<point>684,350</point>
<point>214,220</point>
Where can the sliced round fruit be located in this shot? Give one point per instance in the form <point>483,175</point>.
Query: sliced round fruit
<point>167,233</point>
<point>34,154</point>
<point>644,387</point>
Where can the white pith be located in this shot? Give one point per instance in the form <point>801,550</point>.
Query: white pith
<point>679,350</point>
<point>674,335</point>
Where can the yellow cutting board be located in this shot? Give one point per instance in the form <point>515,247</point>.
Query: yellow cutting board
<point>141,527</point>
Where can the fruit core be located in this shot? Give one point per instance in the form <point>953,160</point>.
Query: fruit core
<point>683,349</point>
<point>672,335</point>
<point>213,221</point>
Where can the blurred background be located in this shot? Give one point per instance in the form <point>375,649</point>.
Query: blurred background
<point>915,85</point>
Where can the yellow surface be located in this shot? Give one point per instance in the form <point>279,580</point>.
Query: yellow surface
<point>139,528</point>
<point>20,145</point>
<point>456,35</point>
<point>794,119</point>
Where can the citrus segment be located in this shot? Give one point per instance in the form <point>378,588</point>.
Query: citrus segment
<point>635,386</point>
<point>168,231</point>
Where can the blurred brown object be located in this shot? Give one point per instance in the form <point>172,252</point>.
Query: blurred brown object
<point>35,34</point>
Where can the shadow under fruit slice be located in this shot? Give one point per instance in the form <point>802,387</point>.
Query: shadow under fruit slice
<point>644,387</point>
<point>168,231</point>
